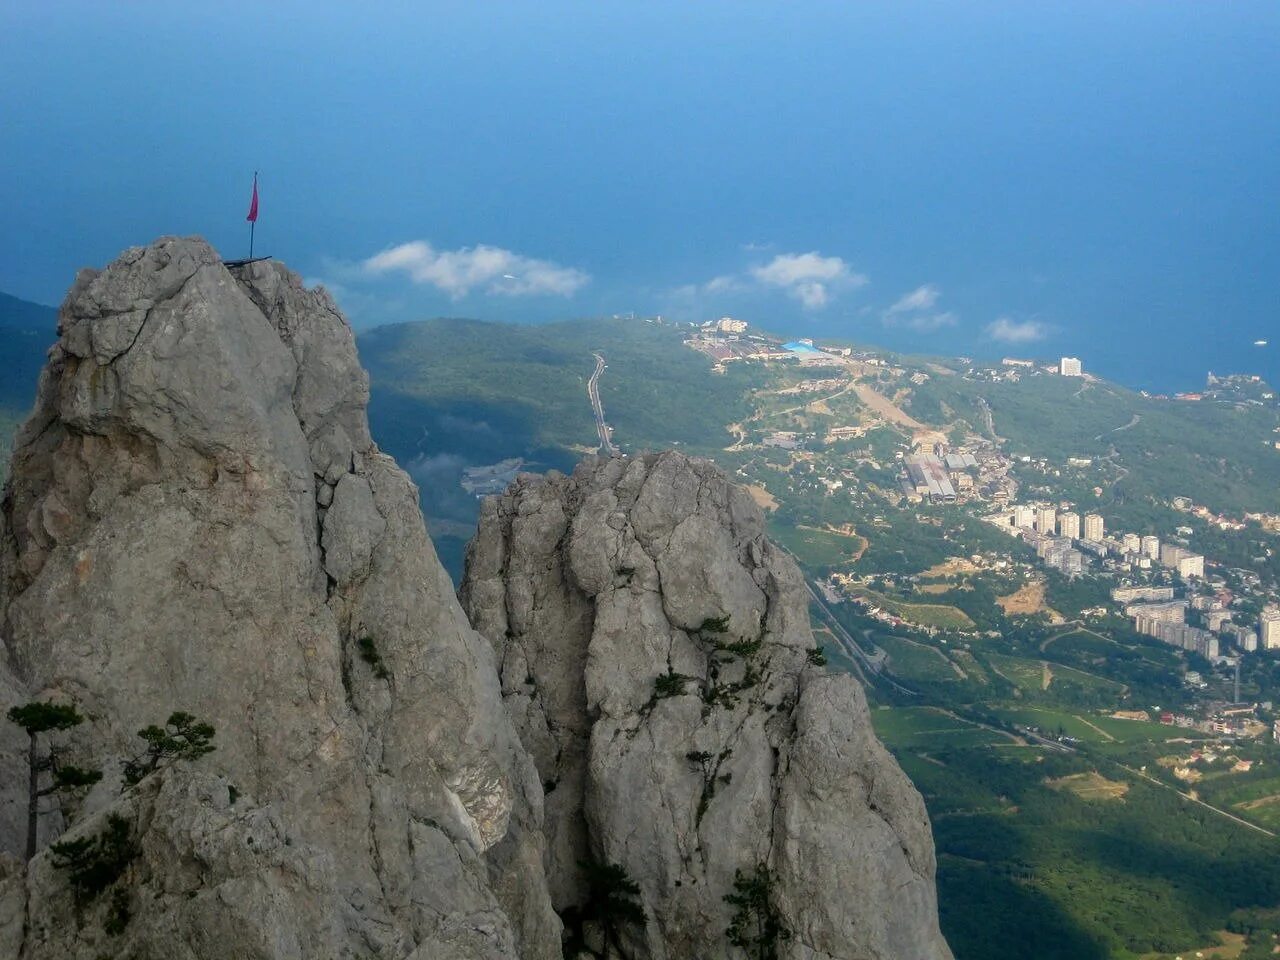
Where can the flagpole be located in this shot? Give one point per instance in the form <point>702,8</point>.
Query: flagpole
<point>253,224</point>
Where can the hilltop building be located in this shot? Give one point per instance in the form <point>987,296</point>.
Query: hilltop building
<point>1130,594</point>
<point>1171,611</point>
<point>1155,620</point>
<point>1186,563</point>
<point>1269,628</point>
<point>1093,527</point>
<point>1047,521</point>
<point>808,355</point>
<point>1058,553</point>
<point>1243,637</point>
<point>928,477</point>
<point>1216,620</point>
<point>1070,367</point>
<point>1069,525</point>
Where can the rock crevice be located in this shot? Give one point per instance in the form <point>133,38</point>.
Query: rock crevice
<point>167,544</point>
<point>197,519</point>
<point>677,712</point>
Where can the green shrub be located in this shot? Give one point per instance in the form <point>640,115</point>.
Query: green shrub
<point>183,737</point>
<point>94,863</point>
<point>369,654</point>
<point>755,925</point>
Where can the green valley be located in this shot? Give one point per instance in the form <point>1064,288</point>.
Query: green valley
<point>1090,799</point>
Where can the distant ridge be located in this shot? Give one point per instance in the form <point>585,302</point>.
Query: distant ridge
<point>27,330</point>
<point>19,314</point>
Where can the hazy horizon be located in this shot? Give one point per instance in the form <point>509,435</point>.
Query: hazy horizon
<point>1096,180</point>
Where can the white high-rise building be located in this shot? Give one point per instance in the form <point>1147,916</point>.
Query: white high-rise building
<point>1070,367</point>
<point>1024,516</point>
<point>1178,558</point>
<point>1069,525</point>
<point>1132,543</point>
<point>1046,521</point>
<point>1269,628</point>
<point>1151,547</point>
<point>1093,527</point>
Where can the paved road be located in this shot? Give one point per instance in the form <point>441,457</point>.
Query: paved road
<point>989,420</point>
<point>593,391</point>
<point>1133,422</point>
<point>1149,779</point>
<point>864,661</point>
<point>1188,797</point>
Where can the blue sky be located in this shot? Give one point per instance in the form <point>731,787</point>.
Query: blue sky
<point>1101,179</point>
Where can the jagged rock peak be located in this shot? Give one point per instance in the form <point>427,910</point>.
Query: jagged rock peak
<point>654,650</point>
<point>198,520</point>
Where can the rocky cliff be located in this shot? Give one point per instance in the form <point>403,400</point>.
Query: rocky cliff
<point>197,520</point>
<point>656,654</point>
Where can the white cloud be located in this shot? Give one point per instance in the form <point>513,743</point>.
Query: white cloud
<point>921,298</point>
<point>1007,330</point>
<point>916,311</point>
<point>459,272</point>
<point>809,277</point>
<point>722,284</point>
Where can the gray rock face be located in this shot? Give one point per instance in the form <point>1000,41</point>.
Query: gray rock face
<point>653,648</point>
<point>198,520</point>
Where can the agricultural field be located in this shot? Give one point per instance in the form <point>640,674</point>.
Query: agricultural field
<point>930,728</point>
<point>816,549</point>
<point>1045,680</point>
<point>942,616</point>
<point>1052,722</point>
<point>917,661</point>
<point>1024,674</point>
<point>1090,786</point>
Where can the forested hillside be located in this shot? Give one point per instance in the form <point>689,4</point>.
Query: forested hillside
<point>26,331</point>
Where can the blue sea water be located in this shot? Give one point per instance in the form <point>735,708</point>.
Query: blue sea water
<point>1101,178</point>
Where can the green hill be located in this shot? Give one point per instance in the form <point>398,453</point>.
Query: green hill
<point>448,394</point>
<point>26,331</point>
<point>1219,453</point>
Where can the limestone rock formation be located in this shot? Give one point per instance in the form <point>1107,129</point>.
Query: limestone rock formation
<point>198,520</point>
<point>655,653</point>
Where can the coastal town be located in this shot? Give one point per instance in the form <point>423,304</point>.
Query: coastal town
<point>841,427</point>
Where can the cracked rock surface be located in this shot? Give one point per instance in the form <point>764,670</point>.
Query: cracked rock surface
<point>653,648</point>
<point>198,520</point>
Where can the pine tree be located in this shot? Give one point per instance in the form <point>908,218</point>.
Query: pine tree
<point>183,737</point>
<point>46,717</point>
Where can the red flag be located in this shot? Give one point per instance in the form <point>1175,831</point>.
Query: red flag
<point>253,204</point>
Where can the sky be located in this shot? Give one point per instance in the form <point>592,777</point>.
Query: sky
<point>1096,179</point>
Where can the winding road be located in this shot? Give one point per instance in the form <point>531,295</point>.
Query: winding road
<point>864,661</point>
<point>1137,419</point>
<point>989,421</point>
<point>593,391</point>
